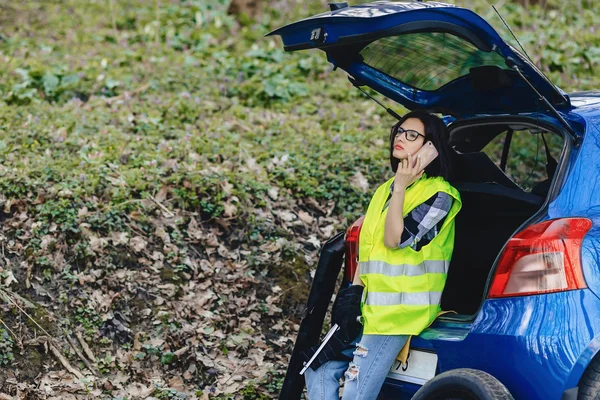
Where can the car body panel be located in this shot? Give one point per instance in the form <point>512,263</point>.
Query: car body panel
<point>580,194</point>
<point>523,341</point>
<point>583,362</point>
<point>397,390</point>
<point>344,32</point>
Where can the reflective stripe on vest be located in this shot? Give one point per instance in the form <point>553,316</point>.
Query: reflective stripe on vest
<point>409,299</point>
<point>403,287</point>
<point>383,268</point>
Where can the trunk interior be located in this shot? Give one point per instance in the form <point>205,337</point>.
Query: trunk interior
<point>504,174</point>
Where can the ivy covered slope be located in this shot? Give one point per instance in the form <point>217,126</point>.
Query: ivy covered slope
<point>167,176</point>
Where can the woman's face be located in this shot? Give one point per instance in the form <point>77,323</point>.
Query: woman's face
<point>403,146</point>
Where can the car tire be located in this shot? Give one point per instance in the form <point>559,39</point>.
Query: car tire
<point>589,385</point>
<point>463,384</point>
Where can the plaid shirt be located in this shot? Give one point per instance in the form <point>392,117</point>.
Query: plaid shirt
<point>424,222</point>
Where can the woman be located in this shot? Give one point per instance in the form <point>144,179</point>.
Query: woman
<point>405,247</point>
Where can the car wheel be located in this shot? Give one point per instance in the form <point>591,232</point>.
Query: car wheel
<point>463,384</point>
<point>589,385</point>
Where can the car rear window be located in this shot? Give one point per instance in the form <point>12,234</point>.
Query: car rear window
<point>526,161</point>
<point>427,61</point>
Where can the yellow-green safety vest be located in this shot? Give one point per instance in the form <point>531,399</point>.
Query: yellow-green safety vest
<point>403,287</point>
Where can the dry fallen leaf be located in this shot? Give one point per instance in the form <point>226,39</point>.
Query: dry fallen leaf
<point>138,244</point>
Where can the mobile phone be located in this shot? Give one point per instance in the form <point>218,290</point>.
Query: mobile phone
<point>428,153</point>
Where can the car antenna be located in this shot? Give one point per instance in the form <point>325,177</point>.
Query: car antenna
<point>511,32</point>
<point>511,63</point>
<point>387,109</point>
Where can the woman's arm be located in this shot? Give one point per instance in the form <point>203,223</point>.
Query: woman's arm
<point>357,280</point>
<point>424,222</point>
<point>408,172</point>
<point>394,222</point>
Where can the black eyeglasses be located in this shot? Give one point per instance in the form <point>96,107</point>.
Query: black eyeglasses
<point>411,134</point>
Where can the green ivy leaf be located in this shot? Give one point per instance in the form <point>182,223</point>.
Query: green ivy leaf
<point>168,358</point>
<point>50,83</point>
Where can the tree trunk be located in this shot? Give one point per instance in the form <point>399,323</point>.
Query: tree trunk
<point>248,8</point>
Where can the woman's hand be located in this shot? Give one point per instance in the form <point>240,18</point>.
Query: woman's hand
<point>346,312</point>
<point>408,172</point>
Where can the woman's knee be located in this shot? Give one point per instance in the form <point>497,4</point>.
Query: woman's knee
<point>324,382</point>
<point>361,350</point>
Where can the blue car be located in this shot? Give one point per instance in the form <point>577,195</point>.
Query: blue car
<point>524,283</point>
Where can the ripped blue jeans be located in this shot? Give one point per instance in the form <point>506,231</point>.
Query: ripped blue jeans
<point>364,375</point>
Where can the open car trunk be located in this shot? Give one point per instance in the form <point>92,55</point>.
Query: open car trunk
<point>508,169</point>
<point>497,204</point>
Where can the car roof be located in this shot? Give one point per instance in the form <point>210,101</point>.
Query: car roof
<point>585,99</point>
<point>374,10</point>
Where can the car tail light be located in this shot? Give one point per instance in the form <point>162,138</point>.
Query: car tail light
<point>543,258</point>
<point>352,235</point>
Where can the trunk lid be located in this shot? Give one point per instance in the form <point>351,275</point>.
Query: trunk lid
<point>426,55</point>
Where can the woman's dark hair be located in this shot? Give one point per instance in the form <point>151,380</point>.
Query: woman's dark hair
<point>437,133</point>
